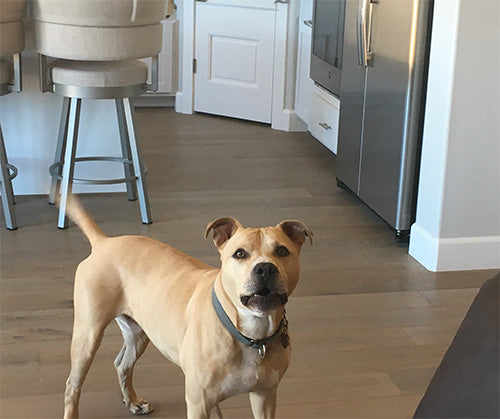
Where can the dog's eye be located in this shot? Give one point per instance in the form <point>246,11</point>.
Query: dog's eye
<point>282,251</point>
<point>240,254</point>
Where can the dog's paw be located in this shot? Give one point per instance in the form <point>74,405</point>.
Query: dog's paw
<point>142,407</point>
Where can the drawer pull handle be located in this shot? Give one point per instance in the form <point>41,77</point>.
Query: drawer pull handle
<point>324,125</point>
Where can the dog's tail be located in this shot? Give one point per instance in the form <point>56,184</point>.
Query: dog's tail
<point>83,220</point>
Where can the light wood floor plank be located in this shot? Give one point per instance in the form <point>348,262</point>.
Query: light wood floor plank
<point>369,324</point>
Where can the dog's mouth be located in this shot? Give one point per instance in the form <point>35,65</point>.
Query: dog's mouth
<point>264,300</point>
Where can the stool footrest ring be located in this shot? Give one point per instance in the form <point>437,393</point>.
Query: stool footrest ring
<point>55,169</point>
<point>13,169</point>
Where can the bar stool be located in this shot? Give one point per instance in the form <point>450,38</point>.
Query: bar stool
<point>90,50</point>
<point>12,13</point>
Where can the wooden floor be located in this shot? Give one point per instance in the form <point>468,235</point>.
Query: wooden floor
<point>369,325</point>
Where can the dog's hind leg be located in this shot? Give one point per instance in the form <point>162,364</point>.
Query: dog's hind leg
<point>86,339</point>
<point>94,310</point>
<point>135,342</point>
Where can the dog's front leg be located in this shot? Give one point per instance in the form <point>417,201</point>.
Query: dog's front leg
<point>199,405</point>
<point>263,404</point>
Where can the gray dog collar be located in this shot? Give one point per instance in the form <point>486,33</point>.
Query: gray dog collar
<point>259,344</point>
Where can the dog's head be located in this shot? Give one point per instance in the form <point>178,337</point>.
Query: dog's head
<point>260,266</point>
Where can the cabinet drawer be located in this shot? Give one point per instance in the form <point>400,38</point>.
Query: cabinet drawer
<point>324,118</point>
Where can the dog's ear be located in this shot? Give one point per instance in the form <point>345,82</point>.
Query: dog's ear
<point>296,231</point>
<point>223,229</point>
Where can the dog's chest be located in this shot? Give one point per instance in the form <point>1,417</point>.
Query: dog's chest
<point>250,373</point>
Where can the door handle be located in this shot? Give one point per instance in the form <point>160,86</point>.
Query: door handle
<point>364,23</point>
<point>308,23</point>
<point>324,125</point>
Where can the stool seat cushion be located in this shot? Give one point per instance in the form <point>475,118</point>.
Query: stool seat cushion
<point>97,43</point>
<point>99,73</point>
<point>6,72</point>
<point>100,13</point>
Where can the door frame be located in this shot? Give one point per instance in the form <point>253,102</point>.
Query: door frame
<point>281,117</point>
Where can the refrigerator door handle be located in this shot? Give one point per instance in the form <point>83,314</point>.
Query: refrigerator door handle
<point>363,32</point>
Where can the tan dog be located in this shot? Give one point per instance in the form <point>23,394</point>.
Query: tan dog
<point>158,293</point>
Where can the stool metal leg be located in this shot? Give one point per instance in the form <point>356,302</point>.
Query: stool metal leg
<point>8,184</point>
<point>137,160</point>
<point>69,159</point>
<point>126,154</point>
<point>60,147</point>
<point>6,188</point>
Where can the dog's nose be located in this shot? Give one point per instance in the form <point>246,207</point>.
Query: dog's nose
<point>265,271</point>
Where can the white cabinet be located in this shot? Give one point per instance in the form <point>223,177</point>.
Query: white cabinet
<point>304,84</point>
<point>324,117</point>
<point>318,108</point>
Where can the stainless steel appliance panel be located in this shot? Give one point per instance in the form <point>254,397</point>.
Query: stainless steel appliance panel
<point>384,74</point>
<point>327,43</point>
<point>352,93</point>
<point>387,89</point>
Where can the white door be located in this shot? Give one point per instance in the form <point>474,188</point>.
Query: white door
<point>234,51</point>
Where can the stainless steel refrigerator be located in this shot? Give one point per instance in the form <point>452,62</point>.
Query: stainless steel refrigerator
<point>382,99</point>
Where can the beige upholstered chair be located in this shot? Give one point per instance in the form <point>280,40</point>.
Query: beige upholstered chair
<point>89,49</point>
<point>12,13</point>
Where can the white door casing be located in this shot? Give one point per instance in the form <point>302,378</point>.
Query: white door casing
<point>282,117</point>
<point>304,86</point>
<point>234,52</point>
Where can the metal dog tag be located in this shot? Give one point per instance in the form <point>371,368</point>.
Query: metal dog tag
<point>262,351</point>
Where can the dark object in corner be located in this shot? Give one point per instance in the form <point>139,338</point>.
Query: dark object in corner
<point>466,383</point>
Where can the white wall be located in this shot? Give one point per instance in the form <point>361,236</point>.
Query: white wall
<point>458,211</point>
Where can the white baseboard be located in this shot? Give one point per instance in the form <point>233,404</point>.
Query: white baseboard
<point>454,254</point>
<point>287,120</point>
<point>181,106</point>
